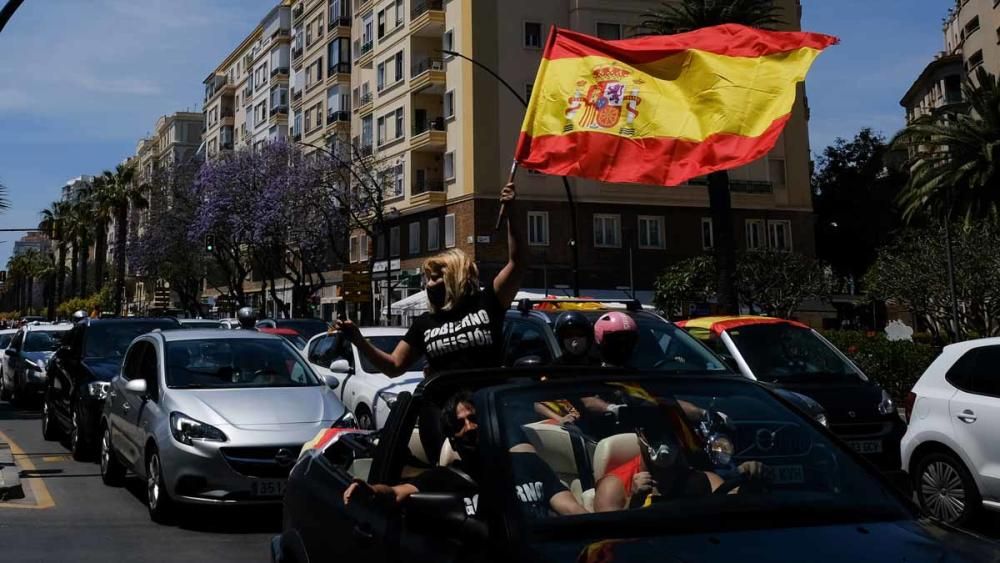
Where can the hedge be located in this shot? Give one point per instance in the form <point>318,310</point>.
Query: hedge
<point>894,365</point>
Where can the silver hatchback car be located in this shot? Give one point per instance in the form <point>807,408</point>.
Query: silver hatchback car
<point>212,417</point>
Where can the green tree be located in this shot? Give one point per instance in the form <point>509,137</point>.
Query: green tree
<point>119,191</point>
<point>687,15</point>
<point>854,194</point>
<point>691,281</point>
<point>54,224</point>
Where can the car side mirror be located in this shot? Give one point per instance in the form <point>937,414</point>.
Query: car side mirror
<point>10,352</point>
<point>445,514</point>
<point>340,366</point>
<point>331,381</point>
<point>137,386</point>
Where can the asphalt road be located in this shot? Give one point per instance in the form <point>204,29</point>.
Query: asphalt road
<point>68,514</point>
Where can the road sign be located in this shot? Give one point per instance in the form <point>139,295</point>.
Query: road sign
<point>356,287</point>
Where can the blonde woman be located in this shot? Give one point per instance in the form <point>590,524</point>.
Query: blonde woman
<point>464,327</point>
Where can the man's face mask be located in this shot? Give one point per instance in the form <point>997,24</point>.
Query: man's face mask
<point>575,345</point>
<point>437,294</point>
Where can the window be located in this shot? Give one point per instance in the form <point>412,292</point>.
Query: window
<point>366,131</point>
<point>394,241</point>
<point>449,230</point>
<point>449,166</point>
<point>433,234</point>
<point>399,123</point>
<point>975,372</point>
<point>381,24</point>
<point>538,228</point>
<point>607,231</point>
<point>974,61</point>
<point>449,103</point>
<point>381,130</point>
<point>398,174</point>
<point>380,77</point>
<point>448,41</point>
<point>651,232</point>
<point>399,12</point>
<point>355,249</point>
<point>971,27</point>
<point>367,29</point>
<point>779,235</point>
<point>533,35</point>
<point>776,169</point>
<point>338,55</point>
<point>755,234</point>
<point>363,248</point>
<point>707,234</point>
<point>609,31</point>
<point>414,239</point>
<point>398,63</point>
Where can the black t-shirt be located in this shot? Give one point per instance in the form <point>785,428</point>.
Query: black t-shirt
<point>534,484</point>
<point>446,480</point>
<point>468,336</point>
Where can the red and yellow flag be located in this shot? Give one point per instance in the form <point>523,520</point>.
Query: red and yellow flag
<point>662,109</point>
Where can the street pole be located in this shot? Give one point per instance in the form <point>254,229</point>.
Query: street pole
<point>574,251</point>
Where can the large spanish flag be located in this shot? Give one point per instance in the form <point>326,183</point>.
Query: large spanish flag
<point>662,109</point>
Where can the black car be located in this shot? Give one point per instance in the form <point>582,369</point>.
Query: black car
<point>810,499</point>
<point>79,376</point>
<point>306,327</point>
<point>529,338</point>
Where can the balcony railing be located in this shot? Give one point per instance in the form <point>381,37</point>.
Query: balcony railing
<point>296,95</point>
<point>338,68</point>
<point>342,21</point>
<point>297,52</point>
<point>297,12</point>
<point>429,125</point>
<point>335,116</point>
<point>424,6</point>
<point>365,150</point>
<point>279,110</point>
<point>296,137</point>
<point>362,49</point>
<point>364,100</point>
<point>279,70</point>
<point>227,112</point>
<point>425,64</point>
<point>427,186</point>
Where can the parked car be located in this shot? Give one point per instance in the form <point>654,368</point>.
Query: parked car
<point>200,323</point>
<point>529,337</point>
<point>212,417</point>
<point>230,323</point>
<point>813,499</point>
<point>292,336</point>
<point>792,356</point>
<point>6,335</point>
<point>950,448</point>
<point>26,358</point>
<point>80,373</point>
<point>365,391</point>
<point>306,327</point>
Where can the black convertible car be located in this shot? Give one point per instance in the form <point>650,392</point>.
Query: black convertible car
<point>719,467</point>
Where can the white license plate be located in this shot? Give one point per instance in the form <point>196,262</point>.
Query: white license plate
<point>788,474</point>
<point>268,487</point>
<point>866,446</point>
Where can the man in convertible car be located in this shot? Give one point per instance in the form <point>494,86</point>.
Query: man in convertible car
<point>537,488</point>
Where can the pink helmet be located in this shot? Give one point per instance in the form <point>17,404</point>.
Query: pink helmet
<point>611,323</point>
<point>616,334</point>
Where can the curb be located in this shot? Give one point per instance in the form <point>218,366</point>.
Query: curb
<point>10,479</point>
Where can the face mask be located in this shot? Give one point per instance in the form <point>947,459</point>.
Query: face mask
<point>467,447</point>
<point>437,294</point>
<point>575,345</point>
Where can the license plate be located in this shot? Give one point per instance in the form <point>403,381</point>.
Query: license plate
<point>866,446</point>
<point>788,474</point>
<point>268,487</point>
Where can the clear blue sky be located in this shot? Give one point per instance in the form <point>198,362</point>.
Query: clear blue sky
<point>84,80</point>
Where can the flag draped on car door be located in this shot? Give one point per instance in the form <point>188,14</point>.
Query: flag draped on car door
<point>662,109</point>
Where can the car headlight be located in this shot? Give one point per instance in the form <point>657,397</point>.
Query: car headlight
<point>720,449</point>
<point>97,390</point>
<point>821,418</point>
<point>389,398</point>
<point>35,365</point>
<point>186,430</point>
<point>346,421</point>
<point>886,406</point>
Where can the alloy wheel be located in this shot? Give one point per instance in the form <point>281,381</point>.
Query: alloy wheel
<point>942,491</point>
<point>74,432</point>
<point>45,418</point>
<point>105,451</point>
<point>153,481</point>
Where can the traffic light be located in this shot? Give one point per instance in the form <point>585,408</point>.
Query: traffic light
<point>210,243</point>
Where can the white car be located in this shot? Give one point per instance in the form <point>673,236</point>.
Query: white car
<point>6,335</point>
<point>363,389</point>
<point>950,449</point>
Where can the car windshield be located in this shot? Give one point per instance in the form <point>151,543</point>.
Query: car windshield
<point>43,340</point>
<point>716,452</point>
<point>388,344</point>
<point>662,345</point>
<point>5,340</point>
<point>784,352</point>
<point>306,327</point>
<point>111,339</point>
<point>295,340</point>
<point>224,363</point>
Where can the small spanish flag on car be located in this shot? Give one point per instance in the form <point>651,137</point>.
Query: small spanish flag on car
<point>662,109</point>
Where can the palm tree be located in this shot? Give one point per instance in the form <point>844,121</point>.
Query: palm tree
<point>77,228</point>
<point>54,224</point>
<point>955,164</point>
<point>102,214</point>
<point>119,191</point>
<point>688,15</point>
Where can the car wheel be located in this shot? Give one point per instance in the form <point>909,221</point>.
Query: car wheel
<point>157,499</point>
<point>112,470</point>
<point>4,392</point>
<point>365,419</point>
<point>77,444</point>
<point>50,431</point>
<point>946,490</point>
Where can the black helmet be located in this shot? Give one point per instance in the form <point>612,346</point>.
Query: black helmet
<point>247,317</point>
<point>569,326</point>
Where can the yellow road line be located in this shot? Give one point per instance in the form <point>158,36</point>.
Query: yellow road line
<point>38,489</point>
<point>55,458</point>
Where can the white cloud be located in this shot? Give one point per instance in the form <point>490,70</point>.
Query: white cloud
<point>119,86</point>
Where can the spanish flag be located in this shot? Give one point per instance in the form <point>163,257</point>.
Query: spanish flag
<point>662,109</point>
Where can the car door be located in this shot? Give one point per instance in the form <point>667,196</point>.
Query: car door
<point>134,405</point>
<point>12,366</point>
<point>60,370</point>
<point>118,406</point>
<point>319,351</point>
<point>975,413</point>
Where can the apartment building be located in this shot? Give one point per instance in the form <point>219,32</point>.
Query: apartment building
<point>227,91</point>
<point>971,40</point>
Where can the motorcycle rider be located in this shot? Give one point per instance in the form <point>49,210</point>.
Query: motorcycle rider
<point>247,318</point>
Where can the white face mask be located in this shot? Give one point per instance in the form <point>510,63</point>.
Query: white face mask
<point>575,345</point>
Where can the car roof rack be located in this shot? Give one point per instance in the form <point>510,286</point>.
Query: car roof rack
<point>527,304</point>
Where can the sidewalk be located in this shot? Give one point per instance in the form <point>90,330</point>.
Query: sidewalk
<point>10,481</point>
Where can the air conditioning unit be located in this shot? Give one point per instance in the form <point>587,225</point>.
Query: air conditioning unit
<point>437,65</point>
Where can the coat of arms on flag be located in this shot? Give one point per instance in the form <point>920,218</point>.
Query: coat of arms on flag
<point>612,92</point>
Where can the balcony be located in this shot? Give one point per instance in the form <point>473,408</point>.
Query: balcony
<point>428,74</point>
<point>428,192</point>
<point>297,52</point>
<point>338,120</point>
<point>281,33</point>
<point>427,18</point>
<point>222,87</point>
<point>429,135</point>
<point>296,137</point>
<point>338,72</point>
<point>365,6</point>
<point>297,11</point>
<point>364,103</point>
<point>364,53</point>
<point>365,151</point>
<point>342,21</point>
<point>279,70</point>
<point>279,110</point>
